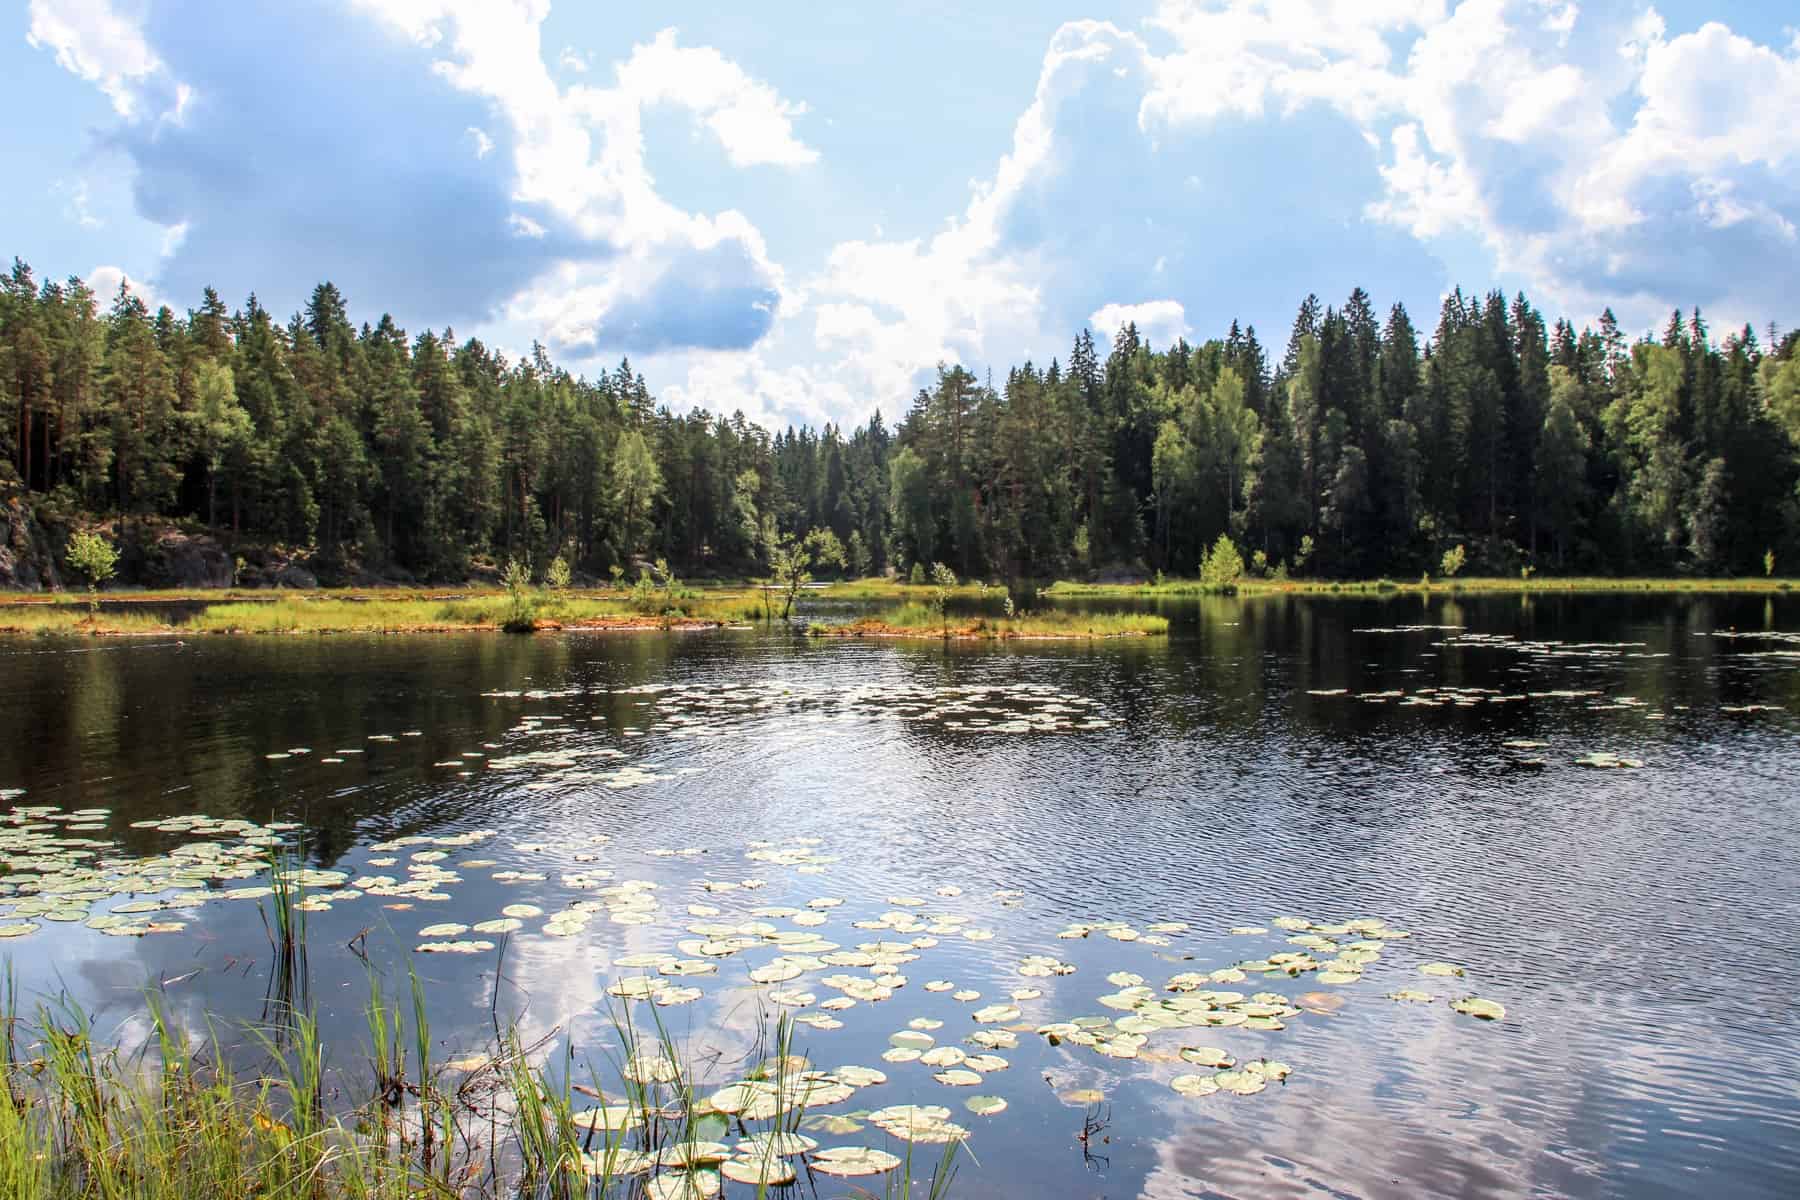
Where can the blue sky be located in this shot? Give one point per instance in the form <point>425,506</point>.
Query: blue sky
<point>797,210</point>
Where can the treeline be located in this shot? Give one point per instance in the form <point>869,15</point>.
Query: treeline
<point>1366,449</point>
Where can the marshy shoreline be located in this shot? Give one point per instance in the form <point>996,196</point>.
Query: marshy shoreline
<point>911,611</point>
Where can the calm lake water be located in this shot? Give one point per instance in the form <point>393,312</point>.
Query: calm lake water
<point>1318,758</point>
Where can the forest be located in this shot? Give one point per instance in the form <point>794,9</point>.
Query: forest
<point>1368,448</point>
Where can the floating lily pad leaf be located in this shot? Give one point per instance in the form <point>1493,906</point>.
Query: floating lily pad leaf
<point>958,1078</point>
<point>1207,1056</point>
<point>1441,970</point>
<point>446,930</point>
<point>833,1123</point>
<point>1475,1006</point>
<point>776,972</point>
<point>691,1154</point>
<point>997,1014</point>
<point>453,947</point>
<point>985,1106</point>
<point>683,1185</point>
<point>12,929</point>
<point>900,1054</point>
<point>1124,979</point>
<point>734,1099</point>
<point>926,1023</point>
<point>943,1056</point>
<point>1340,976</point>
<point>654,1068</point>
<point>912,1039</point>
<point>502,925</point>
<point>966,996</point>
<point>1412,996</point>
<point>758,1171</point>
<point>635,961</point>
<point>985,1063</point>
<point>607,1118</point>
<point>1192,1085</point>
<point>939,985</point>
<point>617,1161</point>
<point>667,997</point>
<point>1241,1083</point>
<point>853,1161</point>
<point>859,1076</point>
<point>1082,1096</point>
<point>778,1143</point>
<point>638,988</point>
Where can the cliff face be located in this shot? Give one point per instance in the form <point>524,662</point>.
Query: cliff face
<point>157,556</point>
<point>159,553</point>
<point>27,559</point>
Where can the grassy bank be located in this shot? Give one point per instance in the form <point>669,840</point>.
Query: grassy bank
<point>296,613</point>
<point>897,591</point>
<point>1536,584</point>
<point>919,621</point>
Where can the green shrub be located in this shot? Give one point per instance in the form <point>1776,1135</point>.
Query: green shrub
<point>94,557</point>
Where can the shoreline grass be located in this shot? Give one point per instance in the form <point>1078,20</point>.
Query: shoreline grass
<point>1071,589</point>
<point>921,622</point>
<point>301,613</point>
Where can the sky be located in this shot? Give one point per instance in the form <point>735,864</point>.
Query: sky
<point>798,210</point>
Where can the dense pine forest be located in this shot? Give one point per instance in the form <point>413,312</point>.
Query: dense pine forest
<point>1368,447</point>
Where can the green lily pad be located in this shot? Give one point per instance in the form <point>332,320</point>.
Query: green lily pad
<point>1475,1006</point>
<point>853,1161</point>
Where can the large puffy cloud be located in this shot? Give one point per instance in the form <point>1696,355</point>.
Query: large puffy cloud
<point>1101,199</point>
<point>1245,152</point>
<point>423,158</point>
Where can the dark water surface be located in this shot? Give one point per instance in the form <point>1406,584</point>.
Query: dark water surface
<point>1641,926</point>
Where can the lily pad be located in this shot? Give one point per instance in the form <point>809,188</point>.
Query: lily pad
<point>853,1161</point>
<point>1207,1056</point>
<point>1475,1006</point>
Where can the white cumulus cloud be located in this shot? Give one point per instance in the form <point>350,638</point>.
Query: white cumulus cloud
<point>94,41</point>
<point>1159,322</point>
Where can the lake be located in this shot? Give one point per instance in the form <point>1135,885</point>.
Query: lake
<point>1397,781</point>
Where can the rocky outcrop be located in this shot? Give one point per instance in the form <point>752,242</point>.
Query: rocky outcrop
<point>27,562</point>
<point>173,559</point>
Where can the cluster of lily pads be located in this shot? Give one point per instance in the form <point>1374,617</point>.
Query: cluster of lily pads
<point>787,953</point>
<point>1328,953</point>
<point>56,869</point>
<point>699,710</point>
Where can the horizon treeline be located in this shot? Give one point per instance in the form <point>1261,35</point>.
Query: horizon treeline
<point>1369,447</point>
